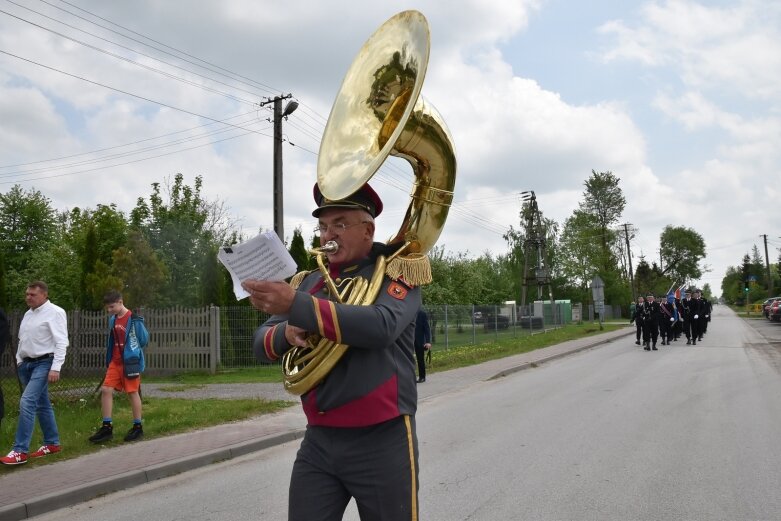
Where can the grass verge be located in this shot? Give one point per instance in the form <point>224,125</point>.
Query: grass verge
<point>466,355</point>
<point>77,421</point>
<point>165,416</point>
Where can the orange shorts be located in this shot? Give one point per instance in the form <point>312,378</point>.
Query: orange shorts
<point>115,377</point>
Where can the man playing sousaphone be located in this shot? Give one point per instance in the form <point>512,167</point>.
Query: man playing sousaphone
<point>345,333</point>
<point>360,439</point>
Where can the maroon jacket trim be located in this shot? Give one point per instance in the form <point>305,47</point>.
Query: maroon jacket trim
<point>268,344</point>
<point>378,406</point>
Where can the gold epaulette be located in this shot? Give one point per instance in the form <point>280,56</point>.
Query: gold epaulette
<point>298,278</point>
<point>414,268</point>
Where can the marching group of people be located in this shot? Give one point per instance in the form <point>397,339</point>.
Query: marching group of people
<point>671,318</point>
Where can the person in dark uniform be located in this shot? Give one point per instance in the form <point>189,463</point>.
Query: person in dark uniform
<point>422,342</point>
<point>650,316</point>
<point>637,319</point>
<point>698,316</point>
<point>668,316</point>
<point>690,311</point>
<point>678,326</point>
<point>360,440</point>
<point>705,305</point>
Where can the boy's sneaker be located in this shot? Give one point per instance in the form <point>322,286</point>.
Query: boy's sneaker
<point>45,450</point>
<point>105,433</point>
<point>14,458</point>
<point>136,432</point>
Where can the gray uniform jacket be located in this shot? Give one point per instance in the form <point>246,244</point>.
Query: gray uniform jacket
<point>375,379</point>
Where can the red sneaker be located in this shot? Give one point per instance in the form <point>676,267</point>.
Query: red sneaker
<point>14,458</point>
<point>46,450</point>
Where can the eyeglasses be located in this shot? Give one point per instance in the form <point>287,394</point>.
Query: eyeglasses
<point>336,228</point>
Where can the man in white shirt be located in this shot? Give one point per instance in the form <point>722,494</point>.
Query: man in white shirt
<point>43,340</point>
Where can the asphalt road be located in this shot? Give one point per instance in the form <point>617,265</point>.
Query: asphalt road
<point>615,433</point>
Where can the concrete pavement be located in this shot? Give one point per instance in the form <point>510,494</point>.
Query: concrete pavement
<point>28,492</point>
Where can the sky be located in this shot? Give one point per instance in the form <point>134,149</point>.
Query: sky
<point>681,100</point>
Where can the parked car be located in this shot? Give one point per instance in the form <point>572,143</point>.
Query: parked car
<point>774,312</point>
<point>491,322</point>
<point>766,306</point>
<point>477,317</point>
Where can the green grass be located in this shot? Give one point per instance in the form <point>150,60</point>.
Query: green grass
<point>244,375</point>
<point>166,416</point>
<point>466,355</point>
<point>461,352</point>
<point>743,313</point>
<point>77,421</point>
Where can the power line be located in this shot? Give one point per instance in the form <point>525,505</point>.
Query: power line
<point>134,62</point>
<point>229,74</point>
<point>121,164</point>
<point>17,165</point>
<point>179,109</point>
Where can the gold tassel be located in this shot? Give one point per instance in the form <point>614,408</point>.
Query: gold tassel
<point>414,268</point>
<point>298,278</point>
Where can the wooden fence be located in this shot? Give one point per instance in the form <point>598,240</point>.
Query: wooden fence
<point>180,340</point>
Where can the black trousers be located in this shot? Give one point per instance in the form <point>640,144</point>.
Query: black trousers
<point>639,326</point>
<point>666,328</point>
<point>650,331</point>
<point>692,329</point>
<point>376,465</point>
<point>420,354</point>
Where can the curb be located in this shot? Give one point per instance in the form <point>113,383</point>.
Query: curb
<point>535,363</point>
<point>85,492</point>
<point>71,496</point>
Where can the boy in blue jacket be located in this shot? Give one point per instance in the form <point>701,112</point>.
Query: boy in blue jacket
<point>127,338</point>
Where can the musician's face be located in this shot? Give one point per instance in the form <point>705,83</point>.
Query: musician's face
<point>355,240</point>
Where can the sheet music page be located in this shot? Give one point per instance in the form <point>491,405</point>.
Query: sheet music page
<point>263,257</point>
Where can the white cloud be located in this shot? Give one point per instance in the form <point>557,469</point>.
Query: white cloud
<point>718,71</point>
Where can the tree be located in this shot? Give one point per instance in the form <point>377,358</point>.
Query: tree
<point>682,250</point>
<point>28,226</point>
<point>589,245</point>
<point>299,252</point>
<point>141,271</point>
<point>645,278</point>
<point>603,199</point>
<point>732,285</point>
<point>184,236</point>
<point>94,235</point>
<point>579,251</point>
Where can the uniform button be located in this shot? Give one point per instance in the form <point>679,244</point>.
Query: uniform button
<point>338,280</point>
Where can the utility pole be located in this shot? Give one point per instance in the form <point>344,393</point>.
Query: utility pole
<point>535,246</point>
<point>767,269</point>
<point>629,258</point>
<point>279,114</point>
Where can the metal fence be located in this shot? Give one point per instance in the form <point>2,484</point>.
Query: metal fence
<point>204,339</point>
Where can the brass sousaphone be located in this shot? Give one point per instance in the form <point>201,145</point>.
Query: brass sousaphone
<point>379,112</point>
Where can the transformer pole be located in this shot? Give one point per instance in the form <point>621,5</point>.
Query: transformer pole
<point>629,258</point>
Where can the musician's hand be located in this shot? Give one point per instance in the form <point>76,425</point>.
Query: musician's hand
<point>295,336</point>
<point>275,298</point>
<point>426,346</point>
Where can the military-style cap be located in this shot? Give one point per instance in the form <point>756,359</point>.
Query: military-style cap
<point>364,199</point>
